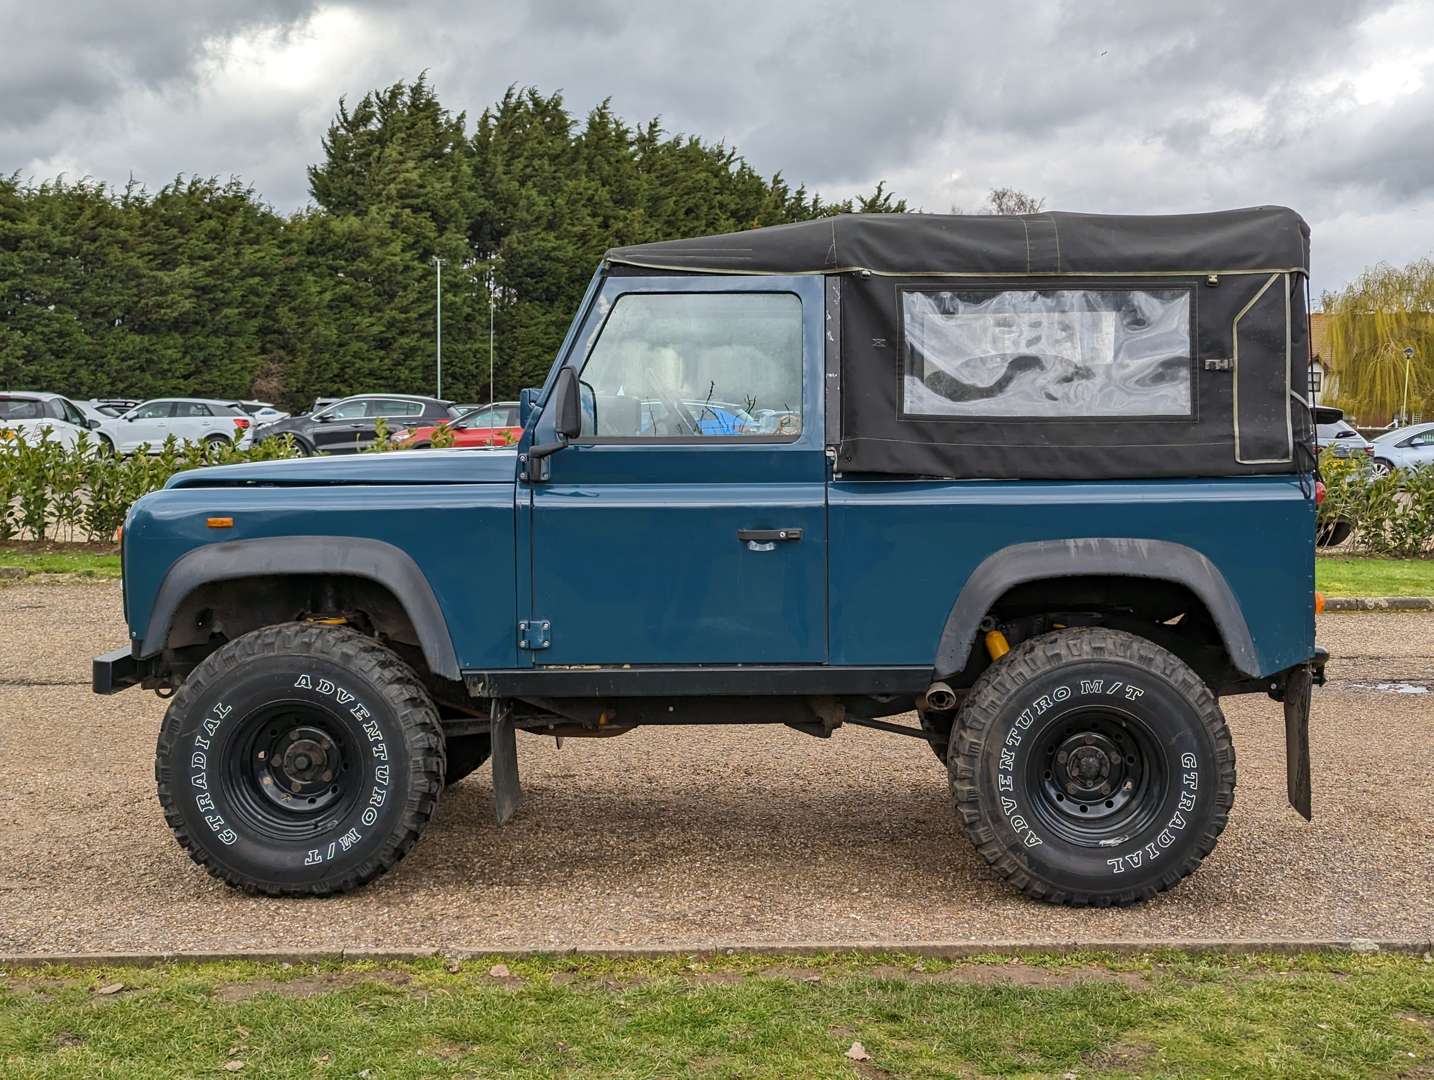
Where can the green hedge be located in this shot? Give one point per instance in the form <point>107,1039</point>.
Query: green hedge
<point>1390,515</point>
<point>51,492</point>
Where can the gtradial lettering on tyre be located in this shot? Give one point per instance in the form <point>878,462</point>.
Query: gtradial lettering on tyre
<point>1092,767</point>
<point>287,761</point>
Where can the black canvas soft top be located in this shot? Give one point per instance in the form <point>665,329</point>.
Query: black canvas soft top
<point>1255,239</point>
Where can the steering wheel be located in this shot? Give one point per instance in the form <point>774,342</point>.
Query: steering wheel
<point>672,404</point>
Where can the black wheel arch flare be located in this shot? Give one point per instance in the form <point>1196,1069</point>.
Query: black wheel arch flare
<point>297,556</point>
<point>1161,560</point>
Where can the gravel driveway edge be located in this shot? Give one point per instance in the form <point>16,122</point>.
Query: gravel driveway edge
<point>942,950</point>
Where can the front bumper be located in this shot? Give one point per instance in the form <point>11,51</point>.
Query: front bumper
<point>117,669</point>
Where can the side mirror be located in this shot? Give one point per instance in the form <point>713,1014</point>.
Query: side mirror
<point>322,418</point>
<point>568,417</point>
<point>567,425</point>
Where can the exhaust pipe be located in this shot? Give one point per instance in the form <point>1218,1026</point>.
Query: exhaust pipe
<point>940,697</point>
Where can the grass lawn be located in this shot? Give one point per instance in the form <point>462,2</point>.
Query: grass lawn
<point>61,560</point>
<point>736,1015</point>
<point>1352,575</point>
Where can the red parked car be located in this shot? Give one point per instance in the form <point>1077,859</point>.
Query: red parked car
<point>495,424</point>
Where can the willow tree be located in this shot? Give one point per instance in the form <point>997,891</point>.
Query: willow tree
<point>1380,342</point>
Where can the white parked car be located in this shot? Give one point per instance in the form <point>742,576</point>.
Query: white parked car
<point>261,411</point>
<point>187,419</point>
<point>28,414</point>
<point>1409,447</point>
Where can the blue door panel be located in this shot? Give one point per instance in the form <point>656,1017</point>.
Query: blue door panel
<point>655,574</point>
<point>635,554</point>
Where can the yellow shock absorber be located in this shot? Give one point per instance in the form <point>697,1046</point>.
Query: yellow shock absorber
<point>996,644</point>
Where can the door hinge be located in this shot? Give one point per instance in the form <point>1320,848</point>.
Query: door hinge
<point>533,634</point>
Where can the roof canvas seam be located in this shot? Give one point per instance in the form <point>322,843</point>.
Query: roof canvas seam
<point>1225,272</point>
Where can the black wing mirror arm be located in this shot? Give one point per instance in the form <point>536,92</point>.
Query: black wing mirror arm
<point>536,467</point>
<point>567,426</point>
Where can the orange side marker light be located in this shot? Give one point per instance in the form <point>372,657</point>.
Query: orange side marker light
<point>220,522</point>
<point>1319,603</point>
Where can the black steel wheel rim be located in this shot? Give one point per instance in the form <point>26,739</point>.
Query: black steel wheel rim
<point>1097,776</point>
<point>297,771</point>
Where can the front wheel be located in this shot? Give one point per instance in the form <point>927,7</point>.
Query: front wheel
<point>300,760</point>
<point>1091,767</point>
<point>1383,467</point>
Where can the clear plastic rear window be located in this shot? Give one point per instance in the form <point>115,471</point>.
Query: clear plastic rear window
<point>1060,353</point>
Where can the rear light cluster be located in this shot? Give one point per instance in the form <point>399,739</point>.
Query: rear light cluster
<point>1320,492</point>
<point>1369,451</point>
<point>241,422</point>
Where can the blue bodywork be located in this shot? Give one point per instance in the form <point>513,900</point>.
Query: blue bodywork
<point>630,552</point>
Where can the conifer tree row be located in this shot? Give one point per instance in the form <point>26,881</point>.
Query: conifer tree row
<point>202,288</point>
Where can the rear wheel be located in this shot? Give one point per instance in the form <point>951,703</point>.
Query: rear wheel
<point>300,760</point>
<point>1091,766</point>
<point>1383,466</point>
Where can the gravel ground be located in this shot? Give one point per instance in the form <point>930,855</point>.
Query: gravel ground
<point>687,837</point>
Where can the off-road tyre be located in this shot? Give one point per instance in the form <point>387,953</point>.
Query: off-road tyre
<point>1160,730</point>
<point>300,760</point>
<point>466,754</point>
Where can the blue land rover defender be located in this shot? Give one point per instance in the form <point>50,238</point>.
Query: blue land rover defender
<point>1046,482</point>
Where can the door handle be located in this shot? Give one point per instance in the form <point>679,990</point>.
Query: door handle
<point>767,536</point>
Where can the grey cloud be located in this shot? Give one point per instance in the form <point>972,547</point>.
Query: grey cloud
<point>1095,104</point>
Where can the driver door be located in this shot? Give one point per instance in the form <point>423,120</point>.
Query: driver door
<point>687,524</point>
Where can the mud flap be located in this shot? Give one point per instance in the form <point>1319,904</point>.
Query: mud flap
<point>507,792</point>
<point>1297,739</point>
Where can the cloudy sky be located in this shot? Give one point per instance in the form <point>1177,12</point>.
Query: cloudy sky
<point>1324,105</point>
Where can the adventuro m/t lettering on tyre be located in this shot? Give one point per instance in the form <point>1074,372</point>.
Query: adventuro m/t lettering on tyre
<point>300,759</point>
<point>1091,766</point>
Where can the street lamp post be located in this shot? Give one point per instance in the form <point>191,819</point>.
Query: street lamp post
<point>438,339</point>
<point>491,306</point>
<point>1404,408</point>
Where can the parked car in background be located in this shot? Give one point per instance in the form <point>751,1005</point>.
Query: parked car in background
<point>321,403</point>
<point>1335,436</point>
<point>1409,447</point>
<point>485,425</point>
<point>261,411</point>
<point>203,420</point>
<point>351,424</point>
<point>110,407</point>
<point>27,415</point>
